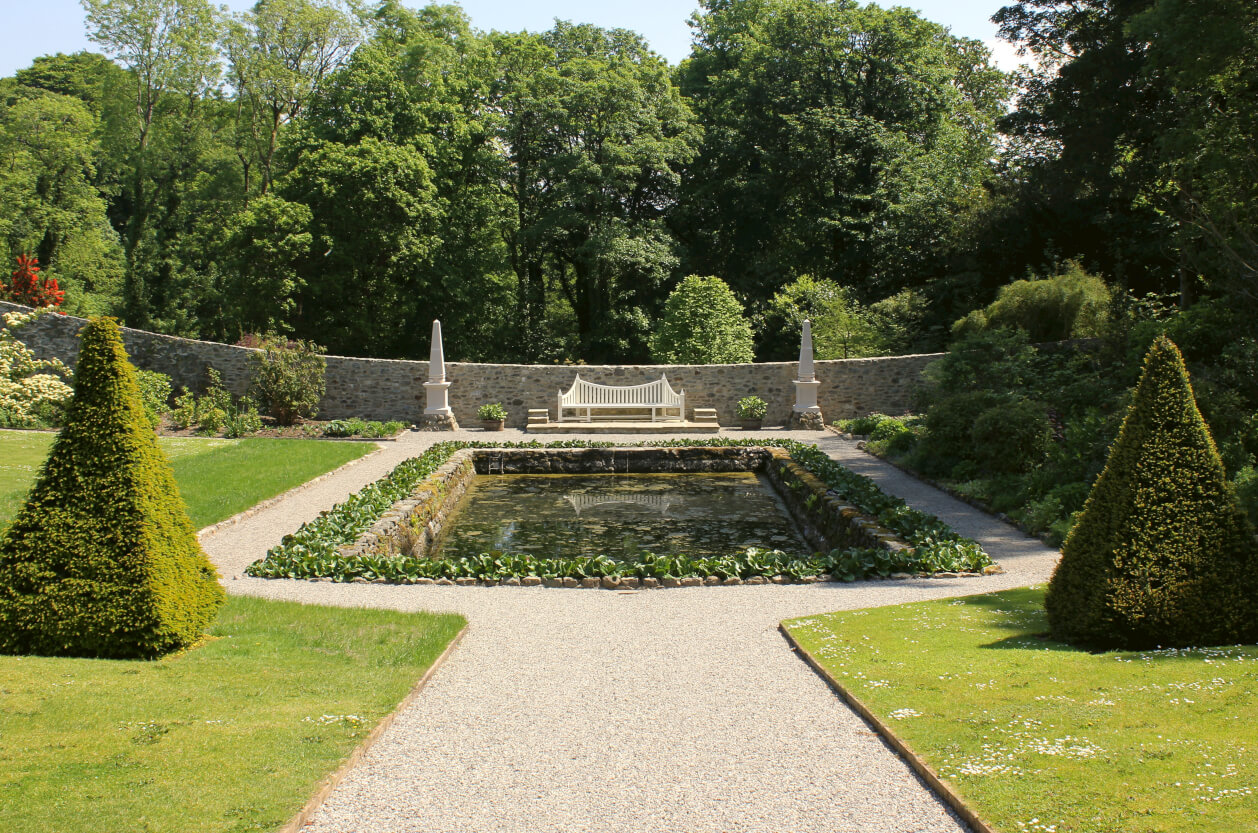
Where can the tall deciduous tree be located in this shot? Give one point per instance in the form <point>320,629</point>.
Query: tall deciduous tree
<point>280,52</point>
<point>170,48</point>
<point>840,141</point>
<point>596,134</point>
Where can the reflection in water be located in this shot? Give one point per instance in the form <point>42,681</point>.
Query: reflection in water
<point>620,516</point>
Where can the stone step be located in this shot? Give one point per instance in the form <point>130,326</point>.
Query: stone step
<point>705,415</point>
<point>538,416</point>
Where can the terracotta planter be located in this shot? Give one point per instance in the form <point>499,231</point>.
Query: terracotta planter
<point>750,424</point>
<point>493,424</point>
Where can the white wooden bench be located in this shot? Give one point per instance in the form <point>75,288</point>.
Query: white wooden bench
<point>584,398</point>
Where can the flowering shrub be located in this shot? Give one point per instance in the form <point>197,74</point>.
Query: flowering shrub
<point>33,392</point>
<point>27,287</point>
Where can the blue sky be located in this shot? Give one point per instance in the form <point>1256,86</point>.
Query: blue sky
<point>29,28</point>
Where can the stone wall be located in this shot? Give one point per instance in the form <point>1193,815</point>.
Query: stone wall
<point>393,389</point>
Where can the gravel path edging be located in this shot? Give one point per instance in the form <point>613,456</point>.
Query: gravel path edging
<point>331,782</point>
<point>206,532</point>
<point>924,770</point>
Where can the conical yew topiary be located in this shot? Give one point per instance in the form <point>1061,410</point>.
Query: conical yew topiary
<point>1162,554</point>
<point>102,560</point>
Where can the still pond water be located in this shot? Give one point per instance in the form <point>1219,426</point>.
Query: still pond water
<point>559,515</point>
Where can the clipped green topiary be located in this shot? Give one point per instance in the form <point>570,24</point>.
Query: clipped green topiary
<point>1162,554</point>
<point>102,560</point>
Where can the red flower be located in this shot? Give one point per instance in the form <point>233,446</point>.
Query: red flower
<point>29,288</point>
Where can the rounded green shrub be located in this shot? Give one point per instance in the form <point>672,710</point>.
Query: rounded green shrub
<point>102,560</point>
<point>1012,437</point>
<point>1162,553</point>
<point>946,441</point>
<point>288,378</point>
<point>1073,304</point>
<point>703,323</point>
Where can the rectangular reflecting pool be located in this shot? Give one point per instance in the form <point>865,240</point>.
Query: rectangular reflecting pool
<point>620,516</point>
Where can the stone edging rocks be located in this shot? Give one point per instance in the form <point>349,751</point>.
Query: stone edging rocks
<point>413,526</point>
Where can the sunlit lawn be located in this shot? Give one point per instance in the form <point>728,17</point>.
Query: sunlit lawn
<point>217,478</point>
<point>234,735</point>
<point>1039,736</point>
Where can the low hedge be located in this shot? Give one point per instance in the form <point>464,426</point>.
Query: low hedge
<point>313,551</point>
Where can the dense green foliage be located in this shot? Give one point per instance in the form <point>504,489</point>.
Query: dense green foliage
<point>312,551</point>
<point>346,172</point>
<point>102,560</point>
<point>287,377</point>
<point>1071,305</point>
<point>703,323</point>
<point>155,394</point>
<point>368,429</point>
<point>1162,554</point>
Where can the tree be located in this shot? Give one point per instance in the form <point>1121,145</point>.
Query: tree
<point>373,228</point>
<point>280,52</point>
<point>1162,554</point>
<point>170,48</point>
<point>596,134</point>
<point>702,323</point>
<point>52,208</point>
<point>102,559</point>
<point>840,141</point>
<point>266,242</point>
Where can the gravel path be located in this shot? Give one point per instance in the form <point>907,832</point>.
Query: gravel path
<point>668,710</point>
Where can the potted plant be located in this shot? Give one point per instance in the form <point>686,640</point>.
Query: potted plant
<point>492,416</point>
<point>751,411</point>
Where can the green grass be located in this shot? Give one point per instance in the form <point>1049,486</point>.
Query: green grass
<point>1038,736</point>
<point>231,736</point>
<point>217,478</point>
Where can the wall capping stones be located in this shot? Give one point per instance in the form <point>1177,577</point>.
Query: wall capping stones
<point>386,389</point>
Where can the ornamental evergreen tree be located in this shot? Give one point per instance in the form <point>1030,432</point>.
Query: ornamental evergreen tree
<point>102,560</point>
<point>1162,554</point>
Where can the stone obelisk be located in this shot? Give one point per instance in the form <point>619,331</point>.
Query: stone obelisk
<point>806,414</point>
<point>437,413</point>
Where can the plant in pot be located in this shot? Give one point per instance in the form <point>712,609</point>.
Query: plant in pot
<point>751,411</point>
<point>492,416</point>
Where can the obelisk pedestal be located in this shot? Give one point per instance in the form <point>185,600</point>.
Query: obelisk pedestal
<point>806,415</point>
<point>437,413</point>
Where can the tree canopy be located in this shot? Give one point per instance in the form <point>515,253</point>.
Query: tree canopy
<point>346,172</point>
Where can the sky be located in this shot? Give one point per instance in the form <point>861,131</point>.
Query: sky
<point>30,28</point>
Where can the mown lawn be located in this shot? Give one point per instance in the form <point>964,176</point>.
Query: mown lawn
<point>1038,736</point>
<point>231,736</point>
<point>217,478</point>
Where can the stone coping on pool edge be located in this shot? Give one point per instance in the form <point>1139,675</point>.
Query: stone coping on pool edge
<point>413,525</point>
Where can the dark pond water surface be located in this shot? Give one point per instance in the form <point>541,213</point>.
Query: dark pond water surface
<point>559,515</point>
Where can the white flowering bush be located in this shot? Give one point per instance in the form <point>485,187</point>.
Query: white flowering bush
<point>33,392</point>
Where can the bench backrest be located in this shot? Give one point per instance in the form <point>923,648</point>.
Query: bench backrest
<point>658,392</point>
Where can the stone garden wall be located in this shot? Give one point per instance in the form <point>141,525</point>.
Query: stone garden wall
<point>393,389</point>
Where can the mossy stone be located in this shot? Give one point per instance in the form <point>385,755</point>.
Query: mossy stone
<point>102,560</point>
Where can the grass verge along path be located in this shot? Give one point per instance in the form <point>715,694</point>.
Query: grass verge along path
<point>217,478</point>
<point>1038,736</point>
<point>230,736</point>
